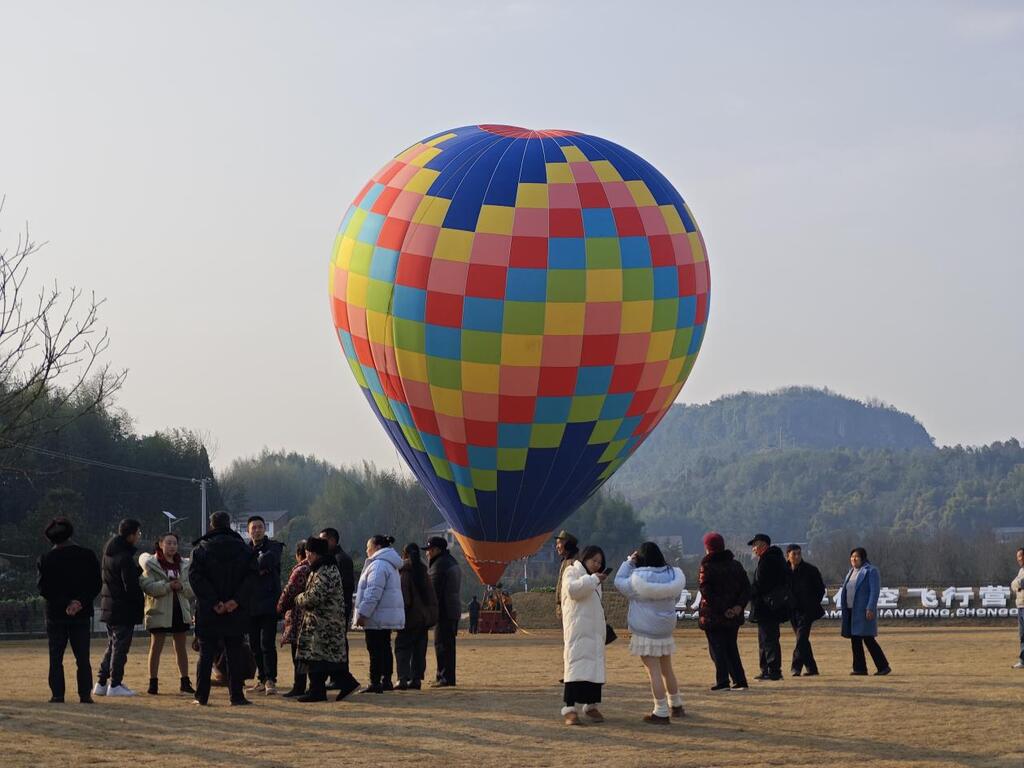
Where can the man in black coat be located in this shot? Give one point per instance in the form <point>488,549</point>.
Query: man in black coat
<point>263,612</point>
<point>769,603</point>
<point>222,575</point>
<point>446,576</point>
<point>808,588</point>
<point>344,681</point>
<point>69,580</point>
<point>121,606</point>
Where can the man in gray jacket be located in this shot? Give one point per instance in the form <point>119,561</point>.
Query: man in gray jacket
<point>1017,585</point>
<point>446,577</point>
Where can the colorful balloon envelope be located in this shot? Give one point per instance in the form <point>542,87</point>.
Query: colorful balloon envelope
<point>520,309</point>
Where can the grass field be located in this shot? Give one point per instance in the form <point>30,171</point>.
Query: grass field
<point>952,701</point>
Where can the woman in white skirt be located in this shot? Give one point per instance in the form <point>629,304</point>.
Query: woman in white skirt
<point>584,630</point>
<point>653,589</point>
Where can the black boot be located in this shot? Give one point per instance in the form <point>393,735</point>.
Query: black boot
<point>152,690</point>
<point>186,685</point>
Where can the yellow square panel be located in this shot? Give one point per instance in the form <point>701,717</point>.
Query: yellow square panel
<point>431,211</point>
<point>605,171</point>
<point>384,405</point>
<point>660,347</point>
<point>672,371</point>
<point>641,194</point>
<point>411,365</point>
<point>564,318</point>
<point>425,157</point>
<point>357,371</point>
<point>376,326</point>
<point>434,142</point>
<point>356,289</point>
<point>559,173</point>
<point>480,377</point>
<point>696,247</point>
<point>453,245</point>
<point>521,349</point>
<point>422,180</point>
<point>447,401</point>
<point>637,316</point>
<point>344,253</point>
<point>573,154</point>
<point>604,285</point>
<point>496,219</point>
<point>532,195</point>
<point>672,220</point>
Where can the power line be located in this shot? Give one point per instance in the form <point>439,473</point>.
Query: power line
<point>96,463</point>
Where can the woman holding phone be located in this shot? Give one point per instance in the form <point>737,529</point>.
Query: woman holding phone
<point>584,630</point>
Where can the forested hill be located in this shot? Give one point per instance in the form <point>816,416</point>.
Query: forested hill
<point>749,422</point>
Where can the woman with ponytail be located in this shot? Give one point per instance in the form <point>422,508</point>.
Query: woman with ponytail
<point>380,608</point>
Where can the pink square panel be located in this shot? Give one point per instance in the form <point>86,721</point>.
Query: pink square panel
<point>583,172</point>
<point>448,276</point>
<point>420,239</point>
<point>491,249</point>
<point>563,196</point>
<point>518,380</point>
<point>451,428</point>
<point>531,222</point>
<point>632,348</point>
<point>479,406</point>
<point>561,351</point>
<point>603,317</point>
<point>618,195</point>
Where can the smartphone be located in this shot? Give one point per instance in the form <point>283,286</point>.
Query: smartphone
<point>607,571</point>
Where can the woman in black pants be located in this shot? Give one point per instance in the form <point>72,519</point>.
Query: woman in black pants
<point>380,608</point>
<point>420,615</point>
<point>859,600</point>
<point>725,591</point>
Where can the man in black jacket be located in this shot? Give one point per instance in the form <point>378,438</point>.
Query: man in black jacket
<point>263,613</point>
<point>344,681</point>
<point>769,603</point>
<point>446,577</point>
<point>121,606</point>
<point>808,588</point>
<point>222,575</point>
<point>69,580</point>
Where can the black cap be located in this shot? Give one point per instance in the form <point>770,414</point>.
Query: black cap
<point>436,541</point>
<point>760,537</point>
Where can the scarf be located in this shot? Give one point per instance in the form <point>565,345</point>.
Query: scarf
<point>171,568</point>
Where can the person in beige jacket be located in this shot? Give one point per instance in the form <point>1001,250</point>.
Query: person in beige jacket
<point>1017,585</point>
<point>164,581</point>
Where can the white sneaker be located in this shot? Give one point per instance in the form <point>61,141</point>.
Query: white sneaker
<point>120,690</point>
<point>258,687</point>
<point>100,690</point>
<point>1019,665</point>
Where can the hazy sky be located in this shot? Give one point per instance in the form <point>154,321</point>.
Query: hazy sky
<point>857,171</point>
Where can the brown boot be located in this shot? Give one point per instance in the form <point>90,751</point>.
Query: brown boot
<point>678,711</point>
<point>572,719</point>
<point>656,719</point>
<point>594,714</point>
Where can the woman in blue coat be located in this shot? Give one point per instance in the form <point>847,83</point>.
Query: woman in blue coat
<point>859,601</point>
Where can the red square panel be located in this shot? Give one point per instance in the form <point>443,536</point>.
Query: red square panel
<point>412,270</point>
<point>486,281</point>
<point>484,433</point>
<point>388,173</point>
<point>455,452</point>
<point>640,402</point>
<point>628,222</point>
<point>599,349</point>
<point>625,378</point>
<point>515,410</point>
<point>565,222</point>
<point>687,280</point>
<point>592,195</point>
<point>385,200</point>
<point>340,311</point>
<point>529,252</point>
<point>392,234</point>
<point>662,252</point>
<point>444,309</point>
<point>362,347</point>
<point>424,419</point>
<point>557,382</point>
<point>702,309</point>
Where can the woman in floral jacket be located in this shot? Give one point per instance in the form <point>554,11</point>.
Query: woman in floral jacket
<point>320,644</point>
<point>293,614</point>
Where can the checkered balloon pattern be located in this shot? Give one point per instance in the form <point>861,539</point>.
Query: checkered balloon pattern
<point>520,309</point>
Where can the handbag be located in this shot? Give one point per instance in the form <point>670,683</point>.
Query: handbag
<point>609,634</point>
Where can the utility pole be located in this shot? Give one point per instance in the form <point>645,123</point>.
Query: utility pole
<point>203,482</point>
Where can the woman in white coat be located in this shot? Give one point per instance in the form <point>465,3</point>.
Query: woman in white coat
<point>380,608</point>
<point>583,626</point>
<point>653,588</point>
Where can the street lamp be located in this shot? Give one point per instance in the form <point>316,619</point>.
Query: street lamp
<point>171,519</point>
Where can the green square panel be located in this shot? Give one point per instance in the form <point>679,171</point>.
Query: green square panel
<point>546,435</point>
<point>604,431</point>
<point>567,285</point>
<point>441,467</point>
<point>612,451</point>
<point>413,436</point>
<point>378,296</point>
<point>466,495</point>
<point>410,335</point>
<point>585,408</point>
<point>681,343</point>
<point>637,284</point>
<point>666,312</point>
<point>362,255</point>
<point>443,372</point>
<point>481,347</point>
<point>485,479</point>
<point>524,317</point>
<point>511,459</point>
<point>603,253</point>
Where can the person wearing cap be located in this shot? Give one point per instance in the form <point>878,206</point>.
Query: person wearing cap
<point>808,589</point>
<point>769,603</point>
<point>724,593</point>
<point>567,548</point>
<point>446,577</point>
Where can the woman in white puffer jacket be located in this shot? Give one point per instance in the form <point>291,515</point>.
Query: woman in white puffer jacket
<point>584,628</point>
<point>653,588</point>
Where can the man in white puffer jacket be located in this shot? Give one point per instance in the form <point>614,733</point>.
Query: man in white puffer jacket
<point>653,588</point>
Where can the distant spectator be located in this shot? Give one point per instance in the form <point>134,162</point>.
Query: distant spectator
<point>446,576</point>
<point>583,635</point>
<point>168,607</point>
<point>808,589</point>
<point>769,603</point>
<point>1018,590</point>
<point>69,581</point>
<point>223,576</point>
<point>320,643</point>
<point>293,615</point>
<point>23,617</point>
<point>653,588</point>
<point>859,601</point>
<point>263,615</point>
<point>420,615</point>
<point>380,608</point>
<point>567,548</point>
<point>724,593</point>
<point>474,615</point>
<point>121,606</point>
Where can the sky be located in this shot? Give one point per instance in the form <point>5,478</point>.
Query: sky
<point>857,171</point>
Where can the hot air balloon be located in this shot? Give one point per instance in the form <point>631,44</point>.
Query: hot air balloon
<point>520,309</point>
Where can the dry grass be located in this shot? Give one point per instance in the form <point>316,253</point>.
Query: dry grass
<point>952,701</point>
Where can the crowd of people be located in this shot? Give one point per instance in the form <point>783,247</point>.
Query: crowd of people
<point>229,591</point>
